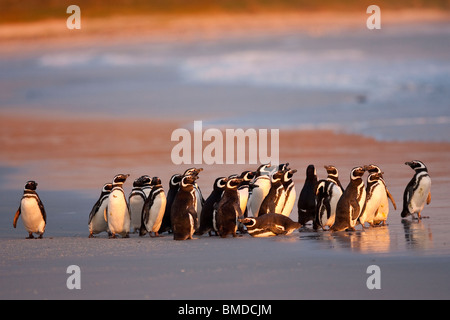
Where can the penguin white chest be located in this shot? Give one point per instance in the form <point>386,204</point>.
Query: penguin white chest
<point>118,215</point>
<point>420,195</point>
<point>31,215</point>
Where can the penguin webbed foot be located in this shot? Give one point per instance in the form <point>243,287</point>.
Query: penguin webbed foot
<point>30,236</point>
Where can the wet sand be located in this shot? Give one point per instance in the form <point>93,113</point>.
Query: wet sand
<point>71,159</point>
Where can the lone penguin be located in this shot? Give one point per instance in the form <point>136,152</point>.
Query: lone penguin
<point>351,203</point>
<point>307,200</point>
<point>117,211</point>
<point>269,225</point>
<point>33,213</point>
<point>98,221</point>
<point>418,190</point>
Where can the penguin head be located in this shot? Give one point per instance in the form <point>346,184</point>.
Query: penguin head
<point>371,168</point>
<point>283,166</point>
<point>264,170</point>
<point>248,175</point>
<point>331,170</point>
<point>107,187</point>
<point>417,165</point>
<point>187,181</point>
<point>192,172</point>
<point>357,173</point>
<point>155,181</point>
<point>31,185</point>
<point>141,181</point>
<point>321,188</point>
<point>248,222</point>
<point>311,172</point>
<point>289,174</point>
<point>234,183</point>
<point>120,179</point>
<point>277,176</point>
<point>175,180</point>
<point>220,183</point>
<point>374,176</point>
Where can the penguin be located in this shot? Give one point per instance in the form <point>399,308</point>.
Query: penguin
<point>228,209</point>
<point>417,191</point>
<point>377,195</point>
<point>307,200</point>
<point>183,214</point>
<point>333,176</point>
<point>117,211</point>
<point>153,209</point>
<point>351,203</point>
<point>328,192</point>
<point>174,185</point>
<point>32,209</point>
<point>261,189</point>
<point>98,221</point>
<point>244,190</point>
<point>136,200</point>
<point>198,192</point>
<point>275,199</point>
<point>207,215</point>
<point>269,225</point>
<point>289,190</point>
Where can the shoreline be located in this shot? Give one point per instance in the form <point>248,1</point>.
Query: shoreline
<point>21,38</point>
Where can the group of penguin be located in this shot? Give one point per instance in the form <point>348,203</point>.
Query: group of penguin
<point>257,202</point>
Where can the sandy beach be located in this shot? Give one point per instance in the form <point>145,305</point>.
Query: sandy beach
<point>72,126</point>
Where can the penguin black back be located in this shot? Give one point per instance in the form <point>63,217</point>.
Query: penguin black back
<point>207,215</point>
<point>174,185</point>
<point>307,199</point>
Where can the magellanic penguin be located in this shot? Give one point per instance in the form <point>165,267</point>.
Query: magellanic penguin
<point>289,190</point>
<point>418,190</point>
<point>328,192</point>
<point>117,211</point>
<point>32,210</point>
<point>207,215</point>
<point>275,199</point>
<point>261,188</point>
<point>351,203</point>
<point>183,214</point>
<point>269,225</point>
<point>153,209</point>
<point>198,192</point>
<point>244,190</point>
<point>136,200</point>
<point>228,209</point>
<point>174,185</point>
<point>98,221</point>
<point>333,176</point>
<point>377,205</point>
<point>307,200</point>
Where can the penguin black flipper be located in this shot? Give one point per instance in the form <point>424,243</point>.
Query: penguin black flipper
<point>146,214</point>
<point>16,216</point>
<point>41,207</point>
<point>95,209</point>
<point>406,197</point>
